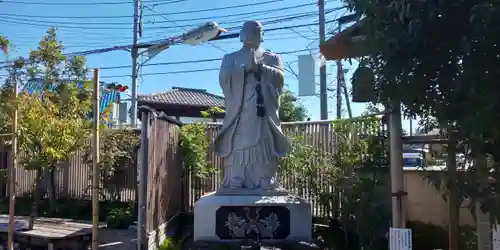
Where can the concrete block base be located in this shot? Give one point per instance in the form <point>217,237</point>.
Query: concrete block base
<point>270,216</point>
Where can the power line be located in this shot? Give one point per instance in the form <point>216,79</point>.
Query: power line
<point>195,61</point>
<point>38,24</point>
<point>221,8</point>
<point>198,19</point>
<point>233,42</point>
<point>221,37</point>
<point>168,2</point>
<point>190,71</point>
<point>180,26</point>
<point>195,70</point>
<point>145,45</point>
<point>183,62</point>
<point>278,20</point>
<point>106,34</point>
<point>83,3</point>
<point>158,14</point>
<point>235,35</point>
<point>48,24</point>
<point>162,73</point>
<point>167,73</point>
<point>92,43</point>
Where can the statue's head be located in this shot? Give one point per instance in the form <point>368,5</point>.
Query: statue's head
<point>252,34</point>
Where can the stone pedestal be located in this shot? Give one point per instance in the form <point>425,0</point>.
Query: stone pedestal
<point>271,216</point>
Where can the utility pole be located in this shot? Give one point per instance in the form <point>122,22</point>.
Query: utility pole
<point>323,98</point>
<point>343,85</point>
<point>339,83</point>
<point>135,64</point>
<point>95,161</point>
<point>133,109</point>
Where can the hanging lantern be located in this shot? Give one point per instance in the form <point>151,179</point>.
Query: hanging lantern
<point>363,85</point>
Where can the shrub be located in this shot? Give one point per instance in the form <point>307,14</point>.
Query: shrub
<point>167,244</point>
<point>119,218</point>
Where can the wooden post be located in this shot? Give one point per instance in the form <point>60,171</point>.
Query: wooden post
<point>143,180</point>
<point>453,199</point>
<point>95,163</point>
<point>12,171</point>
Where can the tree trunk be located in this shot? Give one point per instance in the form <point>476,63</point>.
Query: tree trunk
<point>37,197</point>
<point>52,191</point>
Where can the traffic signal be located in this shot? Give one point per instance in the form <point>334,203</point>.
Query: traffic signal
<point>117,87</point>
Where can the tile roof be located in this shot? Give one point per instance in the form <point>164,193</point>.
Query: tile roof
<point>183,96</point>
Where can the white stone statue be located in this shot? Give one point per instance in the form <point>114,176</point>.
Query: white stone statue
<point>251,140</point>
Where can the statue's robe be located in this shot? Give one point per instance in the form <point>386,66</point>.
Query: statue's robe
<point>249,144</point>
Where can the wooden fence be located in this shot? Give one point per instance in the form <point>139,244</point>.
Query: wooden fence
<point>164,174</point>
<point>167,177</point>
<point>319,134</point>
<point>72,180</point>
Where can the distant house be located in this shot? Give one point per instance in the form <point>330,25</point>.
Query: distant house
<point>185,104</point>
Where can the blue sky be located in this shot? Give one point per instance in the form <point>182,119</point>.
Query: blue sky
<point>92,32</point>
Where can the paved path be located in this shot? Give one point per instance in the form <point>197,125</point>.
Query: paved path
<point>116,239</point>
<point>189,245</point>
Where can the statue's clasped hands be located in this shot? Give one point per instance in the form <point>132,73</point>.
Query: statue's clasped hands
<point>251,64</point>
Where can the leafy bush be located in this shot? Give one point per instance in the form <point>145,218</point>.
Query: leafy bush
<point>195,143</point>
<point>167,244</point>
<point>359,200</point>
<point>194,146</point>
<point>119,218</point>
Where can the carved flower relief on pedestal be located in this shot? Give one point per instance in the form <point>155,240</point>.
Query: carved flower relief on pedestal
<point>240,227</point>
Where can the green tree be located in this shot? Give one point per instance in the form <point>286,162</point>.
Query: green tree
<point>349,175</point>
<point>290,108</point>
<point>53,121</point>
<point>118,155</point>
<point>4,44</point>
<point>440,59</point>
<point>194,145</point>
